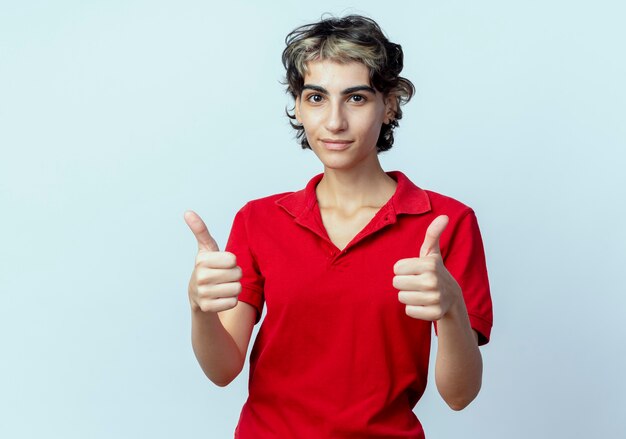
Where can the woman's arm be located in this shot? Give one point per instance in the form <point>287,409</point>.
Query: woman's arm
<point>431,293</point>
<point>221,326</point>
<point>459,364</point>
<point>220,341</point>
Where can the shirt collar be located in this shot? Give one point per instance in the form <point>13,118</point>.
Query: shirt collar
<point>408,198</point>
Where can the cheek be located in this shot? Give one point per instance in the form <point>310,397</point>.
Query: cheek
<point>372,127</point>
<point>309,129</point>
<point>308,121</point>
<point>313,125</point>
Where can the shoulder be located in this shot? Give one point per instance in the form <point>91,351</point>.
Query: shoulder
<point>264,207</point>
<point>441,204</point>
<point>257,214</point>
<point>267,200</point>
<point>462,236</point>
<point>413,199</point>
<point>292,203</point>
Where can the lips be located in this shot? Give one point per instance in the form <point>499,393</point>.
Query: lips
<point>336,144</point>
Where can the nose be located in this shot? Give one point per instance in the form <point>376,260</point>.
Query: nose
<point>336,119</point>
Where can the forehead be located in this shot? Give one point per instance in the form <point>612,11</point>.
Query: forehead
<point>333,74</point>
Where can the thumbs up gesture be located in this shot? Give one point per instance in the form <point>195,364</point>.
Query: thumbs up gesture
<point>426,287</point>
<point>214,284</point>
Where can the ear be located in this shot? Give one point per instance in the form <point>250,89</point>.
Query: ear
<point>391,107</point>
<point>297,110</point>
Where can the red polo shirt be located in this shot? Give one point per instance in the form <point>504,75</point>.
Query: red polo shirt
<point>336,355</point>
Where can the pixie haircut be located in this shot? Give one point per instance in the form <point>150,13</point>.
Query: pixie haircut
<point>347,39</point>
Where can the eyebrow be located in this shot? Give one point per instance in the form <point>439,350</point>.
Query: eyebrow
<point>347,91</point>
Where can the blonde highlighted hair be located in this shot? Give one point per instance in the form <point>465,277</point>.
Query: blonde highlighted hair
<point>348,39</point>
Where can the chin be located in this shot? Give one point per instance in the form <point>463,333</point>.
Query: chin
<point>343,161</point>
<point>340,164</point>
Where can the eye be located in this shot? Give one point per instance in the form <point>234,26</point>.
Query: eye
<point>315,98</point>
<point>358,98</point>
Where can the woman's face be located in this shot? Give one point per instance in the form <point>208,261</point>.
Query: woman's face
<point>341,113</point>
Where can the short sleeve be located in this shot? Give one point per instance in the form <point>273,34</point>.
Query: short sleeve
<point>465,260</point>
<point>252,281</point>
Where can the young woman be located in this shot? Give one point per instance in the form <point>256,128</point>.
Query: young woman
<point>353,269</point>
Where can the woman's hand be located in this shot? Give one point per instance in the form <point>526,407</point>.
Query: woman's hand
<point>426,287</point>
<point>431,293</point>
<point>214,284</point>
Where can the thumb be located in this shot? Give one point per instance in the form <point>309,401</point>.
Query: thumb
<point>200,231</point>
<point>431,240</point>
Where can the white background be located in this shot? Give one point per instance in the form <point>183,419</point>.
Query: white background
<point>117,116</point>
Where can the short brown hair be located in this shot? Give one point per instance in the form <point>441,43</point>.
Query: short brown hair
<point>347,39</point>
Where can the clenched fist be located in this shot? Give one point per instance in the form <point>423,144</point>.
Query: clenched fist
<point>214,284</point>
<point>426,287</point>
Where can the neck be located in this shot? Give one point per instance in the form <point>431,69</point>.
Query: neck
<point>351,189</point>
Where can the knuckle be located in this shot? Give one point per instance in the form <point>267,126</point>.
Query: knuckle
<point>397,267</point>
<point>437,312</point>
<point>202,275</point>
<point>210,291</point>
<point>238,273</point>
<point>205,306</point>
<point>215,278</point>
<point>396,283</point>
<point>431,281</point>
<point>431,264</point>
<point>201,260</point>
<point>402,297</point>
<point>229,258</point>
<point>231,302</point>
<point>211,276</point>
<point>203,291</point>
<point>411,311</point>
<point>435,299</point>
<point>405,266</point>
